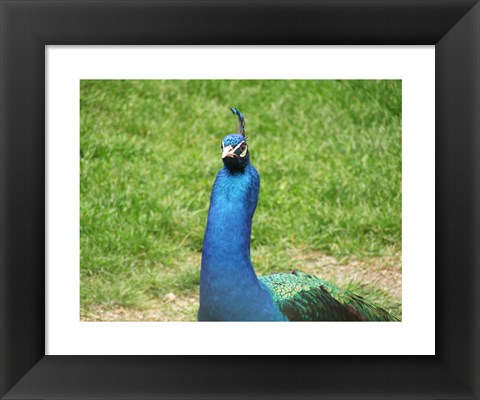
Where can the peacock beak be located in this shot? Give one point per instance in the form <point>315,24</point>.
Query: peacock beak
<point>227,152</point>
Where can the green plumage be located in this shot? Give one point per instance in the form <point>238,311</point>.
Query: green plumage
<point>303,297</point>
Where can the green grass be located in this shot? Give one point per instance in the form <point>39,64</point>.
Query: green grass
<point>328,153</point>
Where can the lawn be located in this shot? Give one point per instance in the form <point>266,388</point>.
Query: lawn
<point>329,157</point>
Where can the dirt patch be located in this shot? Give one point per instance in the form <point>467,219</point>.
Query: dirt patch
<point>168,309</point>
<point>384,273</point>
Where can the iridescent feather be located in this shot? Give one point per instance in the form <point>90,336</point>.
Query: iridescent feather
<point>303,297</point>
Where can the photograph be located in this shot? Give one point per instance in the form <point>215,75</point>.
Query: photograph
<point>177,176</point>
<point>240,200</point>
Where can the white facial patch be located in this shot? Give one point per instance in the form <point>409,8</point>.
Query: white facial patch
<point>244,151</point>
<point>229,151</point>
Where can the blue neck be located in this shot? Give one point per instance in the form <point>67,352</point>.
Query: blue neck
<point>229,288</point>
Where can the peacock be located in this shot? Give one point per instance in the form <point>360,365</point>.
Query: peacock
<point>229,288</point>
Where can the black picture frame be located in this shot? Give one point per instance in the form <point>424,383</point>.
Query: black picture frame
<point>453,26</point>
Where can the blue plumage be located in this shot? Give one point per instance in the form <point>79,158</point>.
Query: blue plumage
<point>228,283</point>
<point>229,287</point>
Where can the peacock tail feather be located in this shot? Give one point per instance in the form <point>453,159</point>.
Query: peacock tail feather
<point>303,297</point>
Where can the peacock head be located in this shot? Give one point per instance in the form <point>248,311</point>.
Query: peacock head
<point>235,153</point>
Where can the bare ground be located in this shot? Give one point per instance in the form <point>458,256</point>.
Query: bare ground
<point>383,273</point>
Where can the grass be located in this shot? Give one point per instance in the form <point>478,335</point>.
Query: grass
<point>329,157</point>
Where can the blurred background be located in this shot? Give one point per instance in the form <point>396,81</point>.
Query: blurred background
<point>330,162</point>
